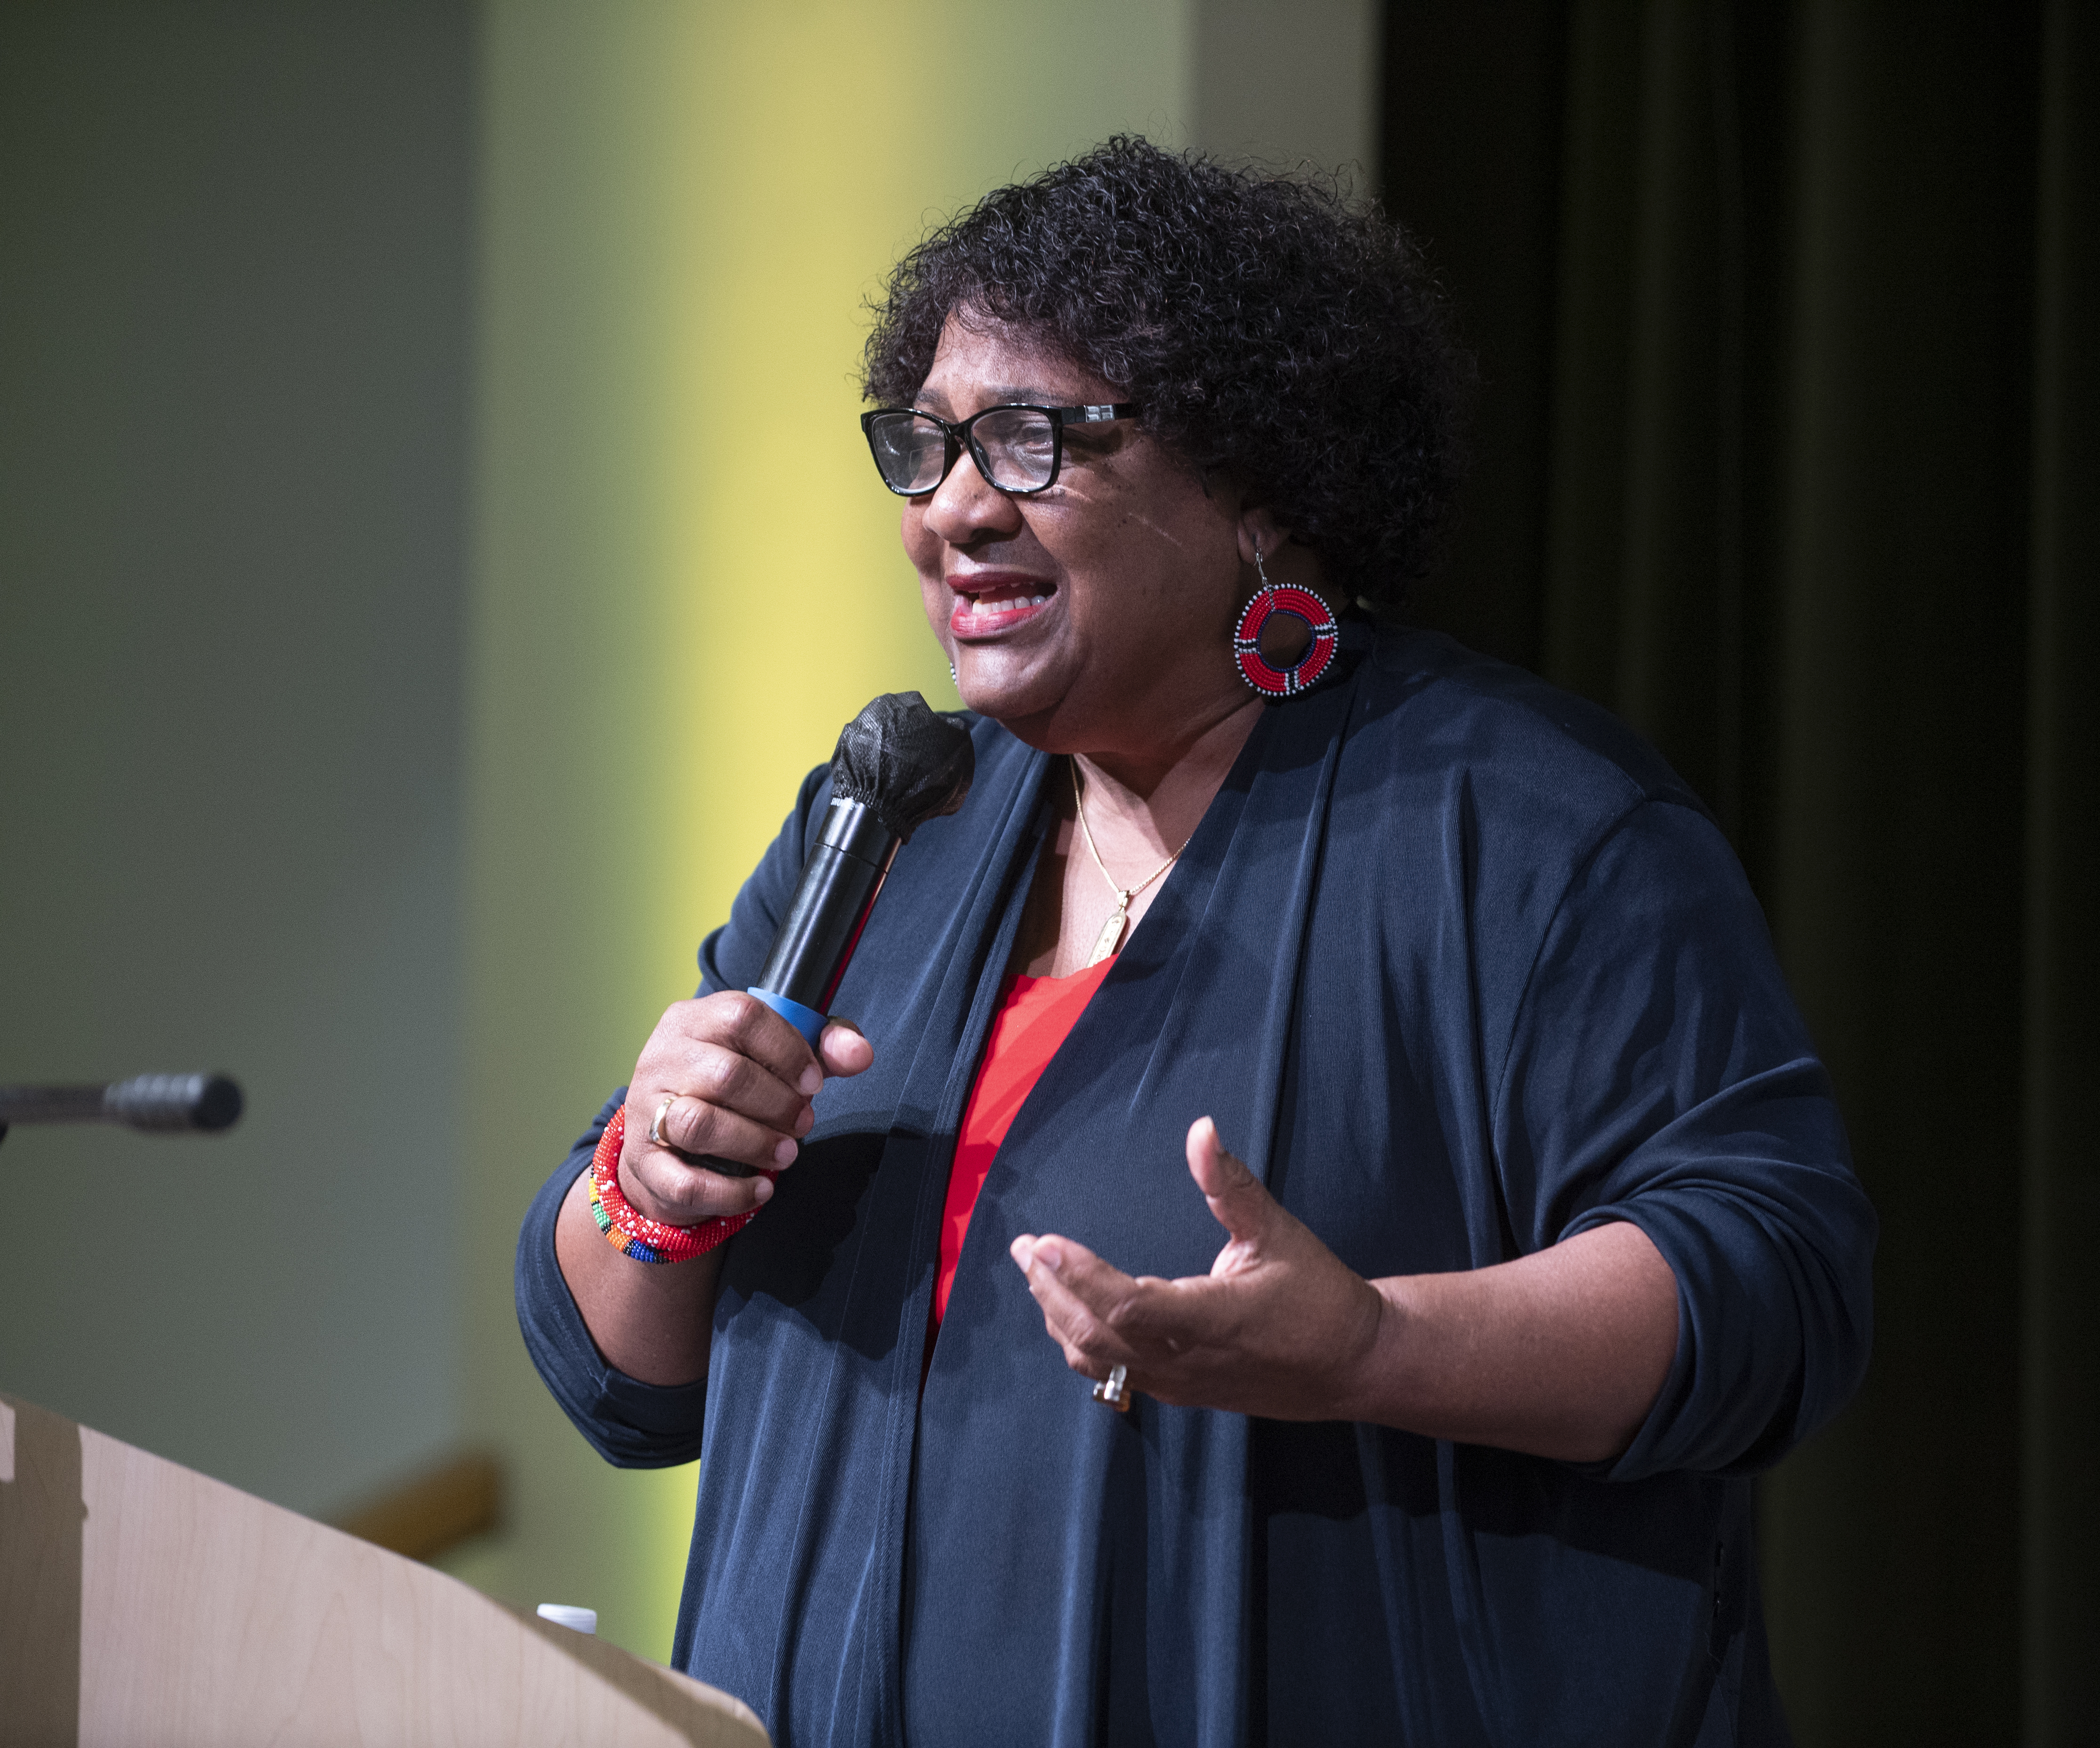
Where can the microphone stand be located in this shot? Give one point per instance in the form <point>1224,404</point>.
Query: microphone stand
<point>160,1104</point>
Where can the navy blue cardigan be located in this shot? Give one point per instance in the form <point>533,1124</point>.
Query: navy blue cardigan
<point>1460,968</point>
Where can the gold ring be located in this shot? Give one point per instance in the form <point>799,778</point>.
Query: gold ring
<point>656,1122</point>
<point>1110,1390</point>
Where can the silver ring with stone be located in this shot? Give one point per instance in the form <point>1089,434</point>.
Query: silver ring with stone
<point>1111,1390</point>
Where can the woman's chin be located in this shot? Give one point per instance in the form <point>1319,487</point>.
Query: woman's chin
<point>1000,683</point>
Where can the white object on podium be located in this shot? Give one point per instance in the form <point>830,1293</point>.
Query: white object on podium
<point>142,1603</point>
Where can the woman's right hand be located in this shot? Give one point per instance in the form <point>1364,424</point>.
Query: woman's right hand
<point>740,1080</point>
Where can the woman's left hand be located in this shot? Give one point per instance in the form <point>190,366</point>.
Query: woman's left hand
<point>1279,1327</point>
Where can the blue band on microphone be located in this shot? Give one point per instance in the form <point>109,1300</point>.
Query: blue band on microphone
<point>806,1021</point>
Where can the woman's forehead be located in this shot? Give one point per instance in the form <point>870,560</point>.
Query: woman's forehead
<point>986,361</point>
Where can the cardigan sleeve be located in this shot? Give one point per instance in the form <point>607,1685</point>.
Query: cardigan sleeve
<point>628,1423</point>
<point>1659,1073</point>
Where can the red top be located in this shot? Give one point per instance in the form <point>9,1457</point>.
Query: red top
<point>1036,1015</point>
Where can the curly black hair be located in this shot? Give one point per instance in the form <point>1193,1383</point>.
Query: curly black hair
<point>1269,324</point>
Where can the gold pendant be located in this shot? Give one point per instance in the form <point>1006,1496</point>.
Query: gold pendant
<point>1111,933</point>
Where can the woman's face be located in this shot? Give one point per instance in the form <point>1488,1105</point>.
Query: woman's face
<point>1096,616</point>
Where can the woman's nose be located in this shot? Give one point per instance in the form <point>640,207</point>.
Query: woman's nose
<point>965,506</point>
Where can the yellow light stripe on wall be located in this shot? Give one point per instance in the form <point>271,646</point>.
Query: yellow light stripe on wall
<point>686,576</point>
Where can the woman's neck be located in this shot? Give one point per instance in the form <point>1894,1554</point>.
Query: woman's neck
<point>1155,799</point>
<point>1140,812</point>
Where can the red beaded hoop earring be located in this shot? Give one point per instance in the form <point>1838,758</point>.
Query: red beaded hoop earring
<point>1256,668</point>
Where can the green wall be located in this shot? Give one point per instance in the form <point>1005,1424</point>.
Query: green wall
<point>422,428</point>
<point>235,296</point>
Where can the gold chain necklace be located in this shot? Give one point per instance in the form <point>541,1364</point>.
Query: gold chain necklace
<point>1111,933</point>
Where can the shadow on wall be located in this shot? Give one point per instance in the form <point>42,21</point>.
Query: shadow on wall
<point>1788,320</point>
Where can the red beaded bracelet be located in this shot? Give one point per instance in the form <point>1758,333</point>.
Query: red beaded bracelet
<point>633,1233</point>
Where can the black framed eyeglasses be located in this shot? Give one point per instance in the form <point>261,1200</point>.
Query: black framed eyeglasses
<point>1018,449</point>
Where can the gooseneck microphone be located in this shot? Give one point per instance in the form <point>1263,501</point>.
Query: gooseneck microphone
<point>897,765</point>
<point>164,1103</point>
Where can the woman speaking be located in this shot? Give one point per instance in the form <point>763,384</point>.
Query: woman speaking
<point>1324,1200</point>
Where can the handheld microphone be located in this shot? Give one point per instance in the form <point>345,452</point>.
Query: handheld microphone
<point>164,1103</point>
<point>897,765</point>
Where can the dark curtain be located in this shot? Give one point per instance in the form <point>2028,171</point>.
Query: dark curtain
<point>1788,451</point>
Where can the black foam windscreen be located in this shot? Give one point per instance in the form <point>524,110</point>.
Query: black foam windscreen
<point>904,761</point>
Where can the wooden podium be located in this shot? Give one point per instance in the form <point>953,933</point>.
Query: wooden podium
<point>143,1606</point>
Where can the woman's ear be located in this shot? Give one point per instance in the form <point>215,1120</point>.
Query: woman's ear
<point>1283,560</point>
<point>1258,529</point>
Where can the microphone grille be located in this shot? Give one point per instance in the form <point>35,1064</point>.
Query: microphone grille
<point>904,761</point>
<point>174,1101</point>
